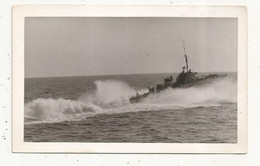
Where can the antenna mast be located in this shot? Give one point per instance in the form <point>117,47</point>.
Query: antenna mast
<point>186,58</point>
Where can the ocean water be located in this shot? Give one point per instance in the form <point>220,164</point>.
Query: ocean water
<point>97,109</point>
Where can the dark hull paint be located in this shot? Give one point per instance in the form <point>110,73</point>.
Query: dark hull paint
<point>202,81</point>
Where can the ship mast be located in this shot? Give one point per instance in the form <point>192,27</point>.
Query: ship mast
<point>186,58</point>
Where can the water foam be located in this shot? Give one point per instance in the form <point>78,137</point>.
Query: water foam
<point>220,92</point>
<point>51,110</point>
<point>113,97</point>
<point>109,93</point>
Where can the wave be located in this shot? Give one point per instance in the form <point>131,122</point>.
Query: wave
<point>57,110</point>
<point>220,92</point>
<point>109,93</point>
<point>113,97</point>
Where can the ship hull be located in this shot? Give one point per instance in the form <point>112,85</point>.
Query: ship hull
<point>202,81</point>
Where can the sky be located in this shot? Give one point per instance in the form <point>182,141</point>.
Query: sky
<point>81,46</point>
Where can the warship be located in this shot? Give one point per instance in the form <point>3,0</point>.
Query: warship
<point>187,78</point>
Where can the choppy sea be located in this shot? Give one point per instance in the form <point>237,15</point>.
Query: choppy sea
<point>97,109</point>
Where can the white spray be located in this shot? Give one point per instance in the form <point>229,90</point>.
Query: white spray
<point>113,97</point>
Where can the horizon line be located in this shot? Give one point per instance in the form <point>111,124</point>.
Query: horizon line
<point>114,74</point>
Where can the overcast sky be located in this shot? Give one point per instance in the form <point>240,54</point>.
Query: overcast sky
<point>103,46</point>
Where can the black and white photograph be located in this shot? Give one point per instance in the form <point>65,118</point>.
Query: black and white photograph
<point>131,80</point>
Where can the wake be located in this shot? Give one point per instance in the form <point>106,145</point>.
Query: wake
<point>113,97</point>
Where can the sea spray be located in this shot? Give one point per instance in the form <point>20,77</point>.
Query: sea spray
<point>55,110</point>
<point>113,97</point>
<point>219,92</point>
<point>109,93</point>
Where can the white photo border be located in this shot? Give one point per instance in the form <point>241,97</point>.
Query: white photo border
<point>19,14</point>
